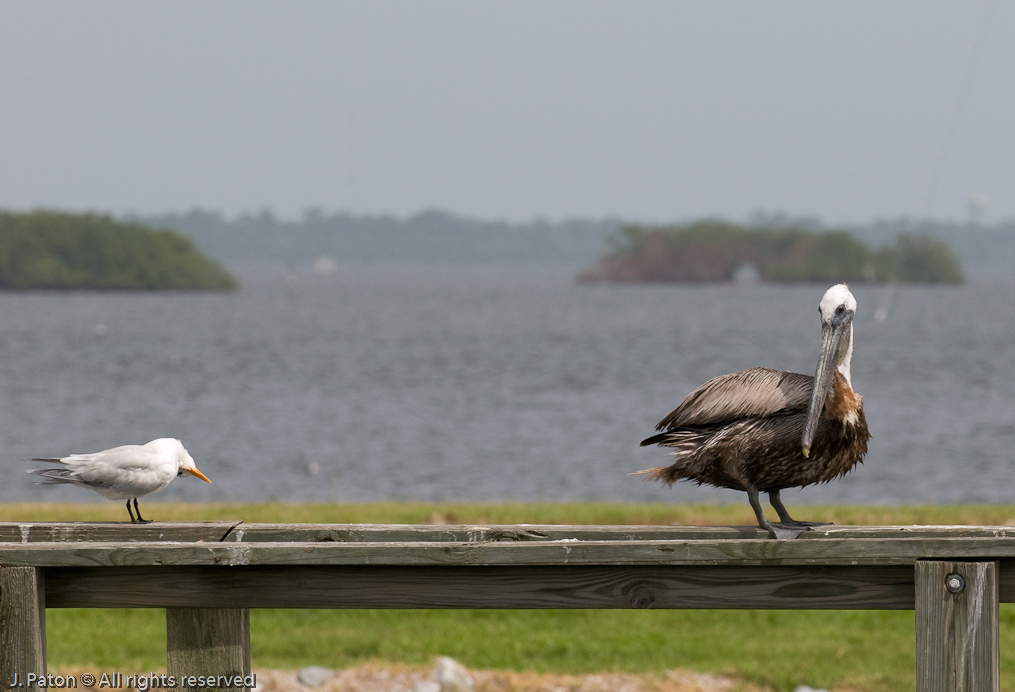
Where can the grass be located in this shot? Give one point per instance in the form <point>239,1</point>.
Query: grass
<point>505,513</point>
<point>841,650</point>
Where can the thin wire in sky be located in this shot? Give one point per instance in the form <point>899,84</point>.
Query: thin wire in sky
<point>937,170</point>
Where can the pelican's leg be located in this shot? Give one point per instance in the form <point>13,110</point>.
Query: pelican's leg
<point>784,518</point>
<point>777,530</point>
<point>132,519</point>
<point>752,497</point>
<point>138,510</point>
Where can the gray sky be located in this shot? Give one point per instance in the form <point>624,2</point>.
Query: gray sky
<point>646,110</point>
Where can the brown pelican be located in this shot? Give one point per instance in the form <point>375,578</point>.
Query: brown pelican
<point>762,430</point>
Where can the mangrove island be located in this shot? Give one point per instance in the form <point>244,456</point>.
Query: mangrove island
<point>718,251</point>
<point>52,250</point>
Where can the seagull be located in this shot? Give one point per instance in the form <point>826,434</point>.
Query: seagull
<point>124,473</point>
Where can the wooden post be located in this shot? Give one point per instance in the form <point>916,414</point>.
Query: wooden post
<point>22,624</point>
<point>957,626</point>
<point>207,641</point>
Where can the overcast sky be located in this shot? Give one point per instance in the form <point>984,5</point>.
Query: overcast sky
<point>653,111</point>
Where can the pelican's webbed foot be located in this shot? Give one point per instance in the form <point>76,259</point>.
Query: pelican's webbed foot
<point>785,532</point>
<point>785,519</point>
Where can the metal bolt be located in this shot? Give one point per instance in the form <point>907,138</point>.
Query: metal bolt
<point>955,583</point>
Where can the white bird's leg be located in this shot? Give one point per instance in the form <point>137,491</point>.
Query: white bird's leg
<point>131,513</point>
<point>784,518</point>
<point>138,510</point>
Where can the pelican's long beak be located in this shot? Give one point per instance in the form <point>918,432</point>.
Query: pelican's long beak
<point>195,472</point>
<point>834,337</point>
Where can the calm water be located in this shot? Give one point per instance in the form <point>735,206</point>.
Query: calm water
<point>478,384</point>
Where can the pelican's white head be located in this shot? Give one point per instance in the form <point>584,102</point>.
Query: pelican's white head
<point>837,308</point>
<point>836,302</point>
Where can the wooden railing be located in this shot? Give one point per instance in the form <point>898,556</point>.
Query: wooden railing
<point>208,576</point>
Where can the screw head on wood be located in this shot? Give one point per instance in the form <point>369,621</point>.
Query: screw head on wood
<point>955,583</point>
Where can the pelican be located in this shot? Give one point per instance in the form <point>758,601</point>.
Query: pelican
<point>762,430</point>
<point>125,473</point>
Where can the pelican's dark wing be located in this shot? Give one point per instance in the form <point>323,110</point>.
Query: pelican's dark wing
<point>752,393</point>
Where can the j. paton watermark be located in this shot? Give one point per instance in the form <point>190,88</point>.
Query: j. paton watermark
<point>137,681</point>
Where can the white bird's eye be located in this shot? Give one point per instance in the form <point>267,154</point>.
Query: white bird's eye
<point>841,309</point>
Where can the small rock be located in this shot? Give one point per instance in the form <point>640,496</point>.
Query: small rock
<point>313,676</point>
<point>452,676</point>
<point>427,686</point>
<point>808,688</point>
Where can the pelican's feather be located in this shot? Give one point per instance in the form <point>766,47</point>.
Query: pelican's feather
<point>752,393</point>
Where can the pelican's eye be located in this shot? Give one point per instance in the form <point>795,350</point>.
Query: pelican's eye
<point>841,309</point>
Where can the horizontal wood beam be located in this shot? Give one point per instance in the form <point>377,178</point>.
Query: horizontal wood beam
<point>380,533</point>
<point>114,531</point>
<point>384,533</point>
<point>236,532</point>
<point>833,588</point>
<point>830,551</point>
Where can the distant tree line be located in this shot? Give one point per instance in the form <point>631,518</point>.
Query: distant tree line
<point>429,236</point>
<point>715,251</point>
<point>49,250</point>
<point>248,240</point>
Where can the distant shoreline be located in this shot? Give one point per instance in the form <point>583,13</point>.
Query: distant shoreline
<point>51,251</point>
<point>435,237</point>
<point>721,252</point>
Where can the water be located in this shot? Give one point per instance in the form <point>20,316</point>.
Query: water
<point>469,383</point>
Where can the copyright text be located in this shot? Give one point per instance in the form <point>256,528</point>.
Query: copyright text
<point>137,681</point>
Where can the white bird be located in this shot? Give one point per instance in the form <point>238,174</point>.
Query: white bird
<point>125,473</point>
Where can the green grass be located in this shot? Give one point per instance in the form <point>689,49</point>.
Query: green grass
<point>872,650</point>
<point>842,650</point>
<point>505,513</point>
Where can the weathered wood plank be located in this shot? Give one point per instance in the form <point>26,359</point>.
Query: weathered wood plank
<point>22,624</point>
<point>382,533</point>
<point>482,587</point>
<point>831,551</point>
<point>957,626</point>
<point>66,532</point>
<point>1006,580</point>
<point>208,641</point>
<point>236,531</point>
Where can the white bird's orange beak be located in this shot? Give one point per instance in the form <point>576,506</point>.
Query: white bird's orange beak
<point>195,472</point>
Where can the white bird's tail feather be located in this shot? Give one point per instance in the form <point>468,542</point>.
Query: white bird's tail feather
<point>54,476</point>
